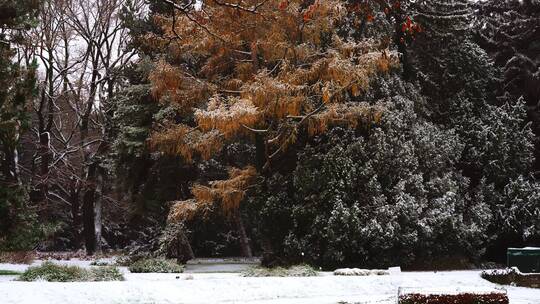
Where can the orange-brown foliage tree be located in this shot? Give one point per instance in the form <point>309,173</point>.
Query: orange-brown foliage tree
<point>262,71</point>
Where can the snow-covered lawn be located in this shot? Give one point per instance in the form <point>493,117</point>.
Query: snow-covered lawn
<point>232,288</point>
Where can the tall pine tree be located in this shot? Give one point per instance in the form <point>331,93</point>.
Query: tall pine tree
<point>448,64</point>
<point>509,31</point>
<point>18,83</point>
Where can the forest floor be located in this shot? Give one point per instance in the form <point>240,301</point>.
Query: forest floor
<point>233,288</point>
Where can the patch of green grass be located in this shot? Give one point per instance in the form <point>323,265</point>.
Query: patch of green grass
<point>156,265</point>
<point>60,273</point>
<point>293,271</point>
<point>9,272</point>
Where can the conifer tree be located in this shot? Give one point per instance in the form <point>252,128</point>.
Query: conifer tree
<point>447,63</point>
<point>509,30</point>
<point>17,81</point>
<point>266,72</point>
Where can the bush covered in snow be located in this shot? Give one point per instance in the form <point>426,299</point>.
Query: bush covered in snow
<point>51,272</point>
<point>106,273</point>
<point>359,272</point>
<point>293,271</point>
<point>158,265</point>
<point>512,276</point>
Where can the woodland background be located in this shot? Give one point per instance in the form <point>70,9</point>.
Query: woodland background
<point>331,132</point>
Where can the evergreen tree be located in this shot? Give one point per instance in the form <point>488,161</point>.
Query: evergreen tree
<point>509,31</point>
<point>17,81</point>
<point>447,63</point>
<point>389,198</point>
<point>265,74</point>
<point>459,78</point>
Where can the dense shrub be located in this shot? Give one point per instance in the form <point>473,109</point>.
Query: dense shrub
<point>391,198</point>
<point>106,273</point>
<point>511,276</point>
<point>155,265</point>
<point>293,271</point>
<point>51,272</point>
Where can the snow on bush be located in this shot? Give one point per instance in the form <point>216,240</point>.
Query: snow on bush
<point>359,272</point>
<point>391,198</point>
<point>51,272</point>
<point>512,276</point>
<point>156,265</point>
<point>293,271</point>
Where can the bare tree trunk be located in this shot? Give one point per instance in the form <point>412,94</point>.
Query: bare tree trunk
<point>9,165</point>
<point>186,252</point>
<point>245,248</point>
<point>45,155</point>
<point>75,214</point>
<point>45,121</point>
<point>260,152</point>
<point>98,213</point>
<point>88,223</point>
<point>88,211</point>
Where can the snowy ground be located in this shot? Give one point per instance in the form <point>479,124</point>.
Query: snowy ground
<point>231,288</point>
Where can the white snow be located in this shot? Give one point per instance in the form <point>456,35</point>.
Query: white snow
<point>232,288</point>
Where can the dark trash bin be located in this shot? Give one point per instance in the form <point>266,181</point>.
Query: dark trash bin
<point>527,259</point>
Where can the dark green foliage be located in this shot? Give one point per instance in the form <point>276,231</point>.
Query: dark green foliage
<point>509,30</point>
<point>447,63</point>
<point>15,13</point>
<point>51,272</point>
<point>155,265</point>
<point>147,180</point>
<point>17,83</point>
<point>460,81</point>
<point>391,198</point>
<point>18,224</point>
<point>517,209</point>
<point>499,143</point>
<point>133,117</point>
